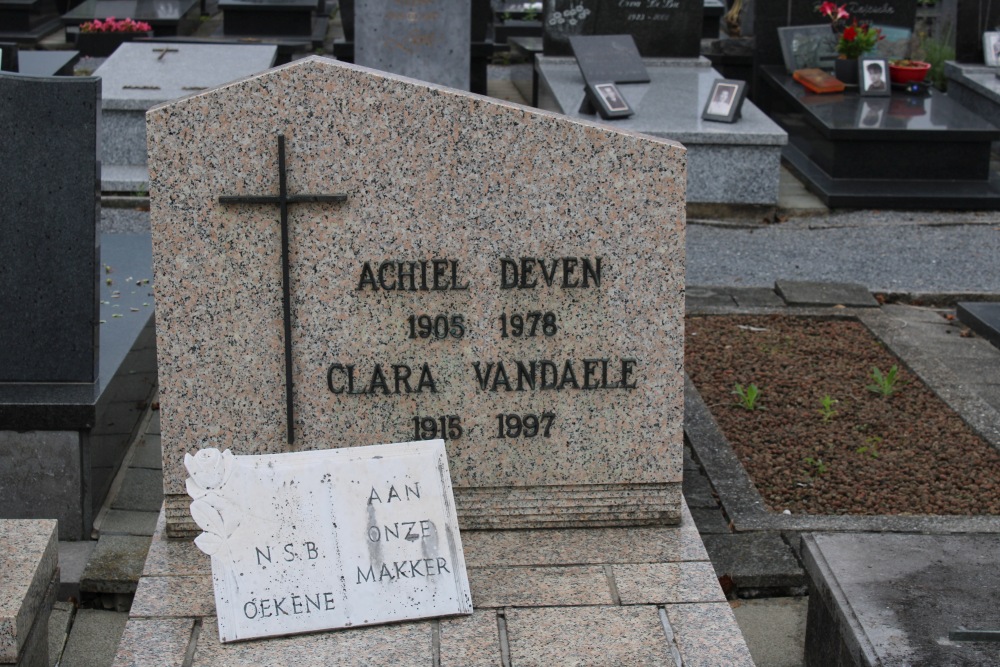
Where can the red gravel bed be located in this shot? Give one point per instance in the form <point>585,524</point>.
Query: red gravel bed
<point>908,453</point>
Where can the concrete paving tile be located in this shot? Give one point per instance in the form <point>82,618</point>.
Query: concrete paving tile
<point>59,624</point>
<point>154,420</point>
<point>125,522</point>
<point>774,629</point>
<point>710,521</point>
<point>174,597</point>
<point>470,641</point>
<point>93,638</point>
<point>696,298</point>
<point>666,583</point>
<point>73,557</point>
<point>398,645</point>
<point>755,560</point>
<point>539,586</point>
<point>757,297</point>
<point>620,636</point>
<point>708,636</point>
<point>148,453</point>
<point>171,557</point>
<point>115,565</point>
<point>141,490</point>
<point>698,492</point>
<point>159,642</point>
<point>806,293</point>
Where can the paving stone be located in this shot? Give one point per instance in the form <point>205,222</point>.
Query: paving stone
<point>161,642</point>
<point>708,636</point>
<point>755,561</point>
<point>93,638</point>
<point>805,293</point>
<point>141,490</point>
<point>470,641</point>
<point>125,522</point>
<point>620,636</point>
<point>59,624</point>
<point>710,521</point>
<point>73,557</point>
<point>148,453</point>
<point>539,586</point>
<point>757,297</point>
<point>174,597</point>
<point>774,629</point>
<point>172,557</point>
<point>115,565</point>
<point>666,583</point>
<point>696,298</point>
<point>698,492</point>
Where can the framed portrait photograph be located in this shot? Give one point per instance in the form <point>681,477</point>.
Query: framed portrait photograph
<point>725,100</point>
<point>991,48</point>
<point>873,77</point>
<point>608,100</point>
<point>8,57</point>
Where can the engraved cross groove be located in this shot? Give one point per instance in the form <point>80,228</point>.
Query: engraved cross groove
<point>283,199</point>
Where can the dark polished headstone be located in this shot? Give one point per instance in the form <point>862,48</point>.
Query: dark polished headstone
<point>268,17</point>
<point>48,243</point>
<point>904,151</point>
<point>166,17</point>
<point>609,58</point>
<point>662,29</point>
<point>983,318</point>
<point>27,21</point>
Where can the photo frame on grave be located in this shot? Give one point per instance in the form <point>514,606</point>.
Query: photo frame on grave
<point>609,58</point>
<point>607,100</point>
<point>808,46</point>
<point>991,48</point>
<point>873,77</point>
<point>8,57</point>
<point>725,100</point>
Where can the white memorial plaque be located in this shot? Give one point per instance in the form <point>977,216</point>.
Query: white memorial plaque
<point>308,541</point>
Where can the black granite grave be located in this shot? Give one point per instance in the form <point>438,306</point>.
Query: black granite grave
<point>667,29</point>
<point>268,17</point>
<point>167,18</point>
<point>903,151</point>
<point>71,387</point>
<point>27,21</point>
<point>983,318</point>
<point>974,17</point>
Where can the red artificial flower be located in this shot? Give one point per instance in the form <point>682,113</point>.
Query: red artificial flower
<point>850,33</point>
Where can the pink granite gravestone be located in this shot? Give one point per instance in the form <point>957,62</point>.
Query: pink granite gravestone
<point>507,279</point>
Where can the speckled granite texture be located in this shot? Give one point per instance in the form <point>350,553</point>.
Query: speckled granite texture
<point>642,596</point>
<point>430,174</point>
<point>29,557</point>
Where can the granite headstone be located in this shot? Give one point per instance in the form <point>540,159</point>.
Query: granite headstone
<point>508,280</point>
<point>609,58</point>
<point>661,28</point>
<point>421,39</point>
<point>49,245</point>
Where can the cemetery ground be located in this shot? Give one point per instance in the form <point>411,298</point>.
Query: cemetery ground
<point>919,265</point>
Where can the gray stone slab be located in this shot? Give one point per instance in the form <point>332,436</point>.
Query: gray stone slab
<point>774,629</point>
<point>147,453</point>
<point>983,318</point>
<point>94,638</point>
<point>806,293</point>
<point>698,298</point>
<point>732,163</point>
<point>49,248</point>
<point>73,557</point>
<point>59,624</point>
<point>698,492</point>
<point>427,40</point>
<point>757,297</point>
<point>141,490</point>
<point>893,599</point>
<point>127,522</point>
<point>710,521</point>
<point>116,564</point>
<point>755,561</point>
<point>28,568</point>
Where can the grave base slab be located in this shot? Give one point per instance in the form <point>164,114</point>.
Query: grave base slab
<point>623,596</point>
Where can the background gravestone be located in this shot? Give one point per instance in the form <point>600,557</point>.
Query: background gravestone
<point>426,40</point>
<point>661,28</point>
<point>48,229</point>
<point>492,212</point>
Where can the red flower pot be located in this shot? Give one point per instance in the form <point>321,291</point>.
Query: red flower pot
<point>913,71</point>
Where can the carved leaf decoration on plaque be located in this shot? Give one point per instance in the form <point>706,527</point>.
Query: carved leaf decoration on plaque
<point>209,543</point>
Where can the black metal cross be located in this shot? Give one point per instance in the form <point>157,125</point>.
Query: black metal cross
<point>164,51</point>
<point>283,199</point>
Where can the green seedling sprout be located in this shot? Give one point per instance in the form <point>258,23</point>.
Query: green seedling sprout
<point>817,465</point>
<point>871,449</point>
<point>884,384</point>
<point>748,396</point>
<point>826,407</point>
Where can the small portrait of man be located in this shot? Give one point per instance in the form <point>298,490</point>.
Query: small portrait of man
<point>722,99</point>
<point>874,76</point>
<point>609,93</point>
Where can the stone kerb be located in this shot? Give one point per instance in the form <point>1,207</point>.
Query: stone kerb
<point>430,174</point>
